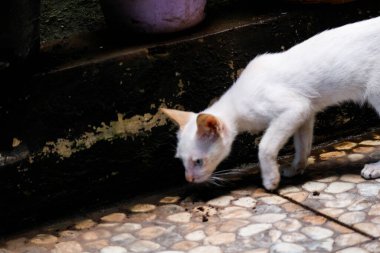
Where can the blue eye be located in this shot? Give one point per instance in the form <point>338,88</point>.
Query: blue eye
<point>198,163</point>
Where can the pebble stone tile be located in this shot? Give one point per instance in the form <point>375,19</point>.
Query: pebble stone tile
<point>342,193</point>
<point>255,221</point>
<point>328,209</point>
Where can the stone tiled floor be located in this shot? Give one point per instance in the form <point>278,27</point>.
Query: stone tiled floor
<point>330,208</point>
<point>341,193</point>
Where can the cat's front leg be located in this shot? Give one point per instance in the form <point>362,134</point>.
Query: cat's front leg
<point>303,139</point>
<point>371,170</point>
<point>275,137</point>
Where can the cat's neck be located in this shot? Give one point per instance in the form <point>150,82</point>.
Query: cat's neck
<point>226,112</point>
<point>235,115</point>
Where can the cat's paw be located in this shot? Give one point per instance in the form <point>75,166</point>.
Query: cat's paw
<point>271,182</point>
<point>371,171</point>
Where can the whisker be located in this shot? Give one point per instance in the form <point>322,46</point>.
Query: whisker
<point>217,180</point>
<point>221,172</point>
<point>216,183</point>
<point>230,172</point>
<point>226,173</point>
<point>213,182</point>
<point>241,170</point>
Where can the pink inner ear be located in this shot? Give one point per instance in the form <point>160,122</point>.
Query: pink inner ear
<point>208,125</point>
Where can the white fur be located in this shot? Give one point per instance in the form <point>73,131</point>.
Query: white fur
<point>282,92</point>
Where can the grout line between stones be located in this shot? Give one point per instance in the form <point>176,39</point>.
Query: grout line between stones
<point>360,244</point>
<point>327,217</point>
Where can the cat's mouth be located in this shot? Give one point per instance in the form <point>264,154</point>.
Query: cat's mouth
<point>199,179</point>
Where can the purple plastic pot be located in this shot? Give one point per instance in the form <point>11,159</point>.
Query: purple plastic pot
<point>153,16</point>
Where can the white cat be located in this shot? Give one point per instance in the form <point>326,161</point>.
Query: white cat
<point>281,93</point>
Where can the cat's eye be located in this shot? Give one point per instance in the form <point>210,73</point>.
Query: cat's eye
<point>198,163</point>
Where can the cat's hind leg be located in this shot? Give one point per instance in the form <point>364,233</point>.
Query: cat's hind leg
<point>303,139</point>
<point>372,170</point>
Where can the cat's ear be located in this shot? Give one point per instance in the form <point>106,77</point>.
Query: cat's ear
<point>179,117</point>
<point>208,126</point>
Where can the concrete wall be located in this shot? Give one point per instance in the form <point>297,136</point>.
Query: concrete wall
<point>63,18</point>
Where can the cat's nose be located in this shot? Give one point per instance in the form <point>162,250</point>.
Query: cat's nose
<point>189,178</point>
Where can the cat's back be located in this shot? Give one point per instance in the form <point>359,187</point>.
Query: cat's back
<point>348,53</point>
<point>343,58</point>
<point>360,37</point>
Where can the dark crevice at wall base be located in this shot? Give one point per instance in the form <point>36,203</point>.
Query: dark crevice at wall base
<point>91,121</point>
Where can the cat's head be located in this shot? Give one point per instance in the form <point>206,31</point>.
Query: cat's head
<point>203,142</point>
